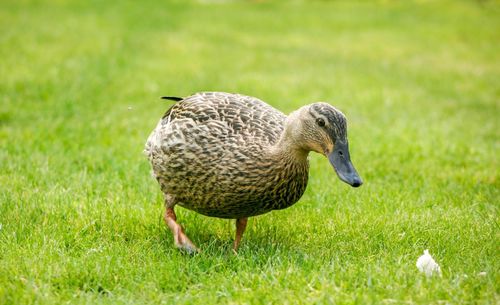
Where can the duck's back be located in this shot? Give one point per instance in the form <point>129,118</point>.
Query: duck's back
<point>208,152</point>
<point>240,115</point>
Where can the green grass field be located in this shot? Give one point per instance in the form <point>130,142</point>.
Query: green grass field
<point>81,217</point>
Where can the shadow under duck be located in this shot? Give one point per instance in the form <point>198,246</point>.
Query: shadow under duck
<point>234,156</point>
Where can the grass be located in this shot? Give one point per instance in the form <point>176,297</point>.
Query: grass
<point>80,216</point>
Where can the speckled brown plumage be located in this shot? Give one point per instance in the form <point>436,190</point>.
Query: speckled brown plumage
<point>234,156</point>
<point>211,152</point>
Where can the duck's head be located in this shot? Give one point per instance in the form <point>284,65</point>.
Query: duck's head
<point>322,128</point>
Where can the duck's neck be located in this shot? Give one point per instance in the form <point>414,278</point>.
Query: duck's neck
<point>288,152</point>
<point>289,147</point>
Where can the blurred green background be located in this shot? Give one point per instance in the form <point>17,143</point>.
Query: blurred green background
<point>80,216</point>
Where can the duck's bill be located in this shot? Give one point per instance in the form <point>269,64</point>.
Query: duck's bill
<point>341,161</point>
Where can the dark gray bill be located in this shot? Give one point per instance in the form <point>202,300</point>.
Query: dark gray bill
<point>341,161</point>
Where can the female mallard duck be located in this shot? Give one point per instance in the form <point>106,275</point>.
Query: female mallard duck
<point>234,156</point>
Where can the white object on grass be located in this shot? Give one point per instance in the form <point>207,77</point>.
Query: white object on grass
<point>428,265</point>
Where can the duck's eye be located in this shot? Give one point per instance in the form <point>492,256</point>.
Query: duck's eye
<point>320,122</point>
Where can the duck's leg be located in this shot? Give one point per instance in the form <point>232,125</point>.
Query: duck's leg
<point>241,225</point>
<point>180,239</point>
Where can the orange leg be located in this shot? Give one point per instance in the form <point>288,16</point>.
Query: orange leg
<point>180,239</point>
<point>241,225</point>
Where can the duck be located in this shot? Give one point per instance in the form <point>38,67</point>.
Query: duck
<point>234,156</point>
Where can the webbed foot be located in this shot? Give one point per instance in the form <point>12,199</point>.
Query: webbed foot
<point>180,238</point>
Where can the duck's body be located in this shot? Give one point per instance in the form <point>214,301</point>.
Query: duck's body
<point>216,154</point>
<point>234,156</point>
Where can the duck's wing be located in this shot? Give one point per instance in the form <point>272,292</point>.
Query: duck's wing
<point>239,115</point>
<point>221,122</point>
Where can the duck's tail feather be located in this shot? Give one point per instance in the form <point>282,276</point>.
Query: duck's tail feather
<point>172,98</point>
